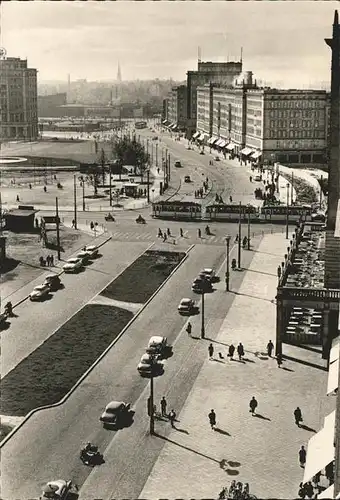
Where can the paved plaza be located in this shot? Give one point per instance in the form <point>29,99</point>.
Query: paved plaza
<point>196,461</point>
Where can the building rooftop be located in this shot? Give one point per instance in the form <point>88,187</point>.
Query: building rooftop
<point>17,212</point>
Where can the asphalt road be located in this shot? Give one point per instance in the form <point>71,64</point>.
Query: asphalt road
<point>37,321</point>
<point>48,445</point>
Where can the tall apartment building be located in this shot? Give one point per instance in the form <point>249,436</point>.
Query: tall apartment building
<point>18,100</point>
<point>176,104</point>
<point>207,72</point>
<point>289,126</point>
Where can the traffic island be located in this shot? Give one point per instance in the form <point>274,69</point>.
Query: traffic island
<point>144,276</point>
<point>49,373</point>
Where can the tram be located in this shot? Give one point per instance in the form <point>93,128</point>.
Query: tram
<point>278,213</point>
<point>232,213</point>
<point>178,210</point>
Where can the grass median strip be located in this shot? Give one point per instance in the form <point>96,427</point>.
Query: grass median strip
<point>142,278</point>
<point>46,375</point>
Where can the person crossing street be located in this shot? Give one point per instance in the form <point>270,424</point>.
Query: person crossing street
<point>253,405</point>
<point>212,419</point>
<point>163,406</point>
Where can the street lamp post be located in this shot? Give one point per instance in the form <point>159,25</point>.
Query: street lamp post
<point>156,155</point>
<point>75,200</point>
<point>202,316</point>
<point>287,212</point>
<point>321,183</point>
<point>151,405</point>
<point>239,237</point>
<point>248,241</point>
<point>83,188</point>
<point>110,184</point>
<point>227,239</point>
<point>57,226</point>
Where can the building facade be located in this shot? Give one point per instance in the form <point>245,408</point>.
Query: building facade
<point>177,107</point>
<point>207,73</point>
<point>18,100</point>
<point>287,126</point>
<point>48,105</point>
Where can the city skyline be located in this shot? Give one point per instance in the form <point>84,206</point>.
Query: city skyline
<point>150,40</point>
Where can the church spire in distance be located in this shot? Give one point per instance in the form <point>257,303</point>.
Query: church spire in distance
<point>119,73</point>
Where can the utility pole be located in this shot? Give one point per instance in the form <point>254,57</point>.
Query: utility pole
<point>83,188</point>
<point>58,229</point>
<point>156,155</point>
<point>148,181</point>
<point>110,184</point>
<point>202,317</point>
<point>239,237</point>
<point>248,242</point>
<point>227,239</point>
<point>292,190</point>
<point>287,212</point>
<point>321,183</point>
<point>75,200</point>
<point>169,168</point>
<point>150,406</point>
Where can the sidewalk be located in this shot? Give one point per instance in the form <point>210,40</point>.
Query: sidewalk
<point>196,462</point>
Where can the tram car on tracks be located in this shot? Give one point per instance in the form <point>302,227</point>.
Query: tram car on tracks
<point>278,213</point>
<point>231,213</point>
<point>177,210</point>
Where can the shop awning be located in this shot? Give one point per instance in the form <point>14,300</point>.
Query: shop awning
<point>230,146</point>
<point>334,354</point>
<point>329,421</point>
<point>333,377</point>
<point>256,155</point>
<point>201,137</point>
<point>222,143</point>
<point>170,125</point>
<point>212,140</point>
<point>174,125</point>
<point>320,452</point>
<point>246,151</point>
<point>164,122</point>
<point>328,493</point>
<point>196,134</point>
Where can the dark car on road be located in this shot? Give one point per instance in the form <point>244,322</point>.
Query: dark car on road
<point>115,413</point>
<point>201,285</point>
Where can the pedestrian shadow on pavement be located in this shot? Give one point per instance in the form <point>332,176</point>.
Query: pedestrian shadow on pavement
<point>221,431</point>
<point>259,272</point>
<point>239,361</point>
<point>306,347</point>
<point>187,448</point>
<point>217,360</point>
<point>184,431</point>
<point>306,428</point>
<point>248,360</point>
<point>262,417</point>
<point>251,296</point>
<point>287,369</point>
<point>303,362</point>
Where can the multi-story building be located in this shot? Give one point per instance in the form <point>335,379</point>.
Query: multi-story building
<point>18,100</point>
<point>288,126</point>
<point>207,73</point>
<point>177,107</point>
<point>48,105</point>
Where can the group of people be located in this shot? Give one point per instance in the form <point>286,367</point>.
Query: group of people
<point>171,415</point>
<point>166,234</point>
<point>49,261</point>
<point>199,192</point>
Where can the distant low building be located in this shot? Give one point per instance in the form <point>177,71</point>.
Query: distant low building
<point>21,219</point>
<point>2,251</point>
<point>48,105</point>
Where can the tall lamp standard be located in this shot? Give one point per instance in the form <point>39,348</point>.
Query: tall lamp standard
<point>202,315</point>
<point>287,212</point>
<point>227,240</point>
<point>239,237</point>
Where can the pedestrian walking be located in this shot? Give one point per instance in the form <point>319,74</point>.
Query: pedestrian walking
<point>231,351</point>
<point>160,234</point>
<point>189,328</point>
<point>236,238</point>
<point>164,237</point>
<point>30,185</point>
<point>302,491</point>
<point>253,405</point>
<point>163,406</point>
<point>316,479</point>
<point>18,199</point>
<point>302,456</point>
<point>279,271</point>
<point>52,260</point>
<point>45,189</point>
<point>168,232</point>
<point>91,225</point>
<point>270,347</point>
<point>212,419</point>
<point>199,232</point>
<point>230,199</point>
<point>298,416</point>
<point>279,360</point>
<point>48,261</point>
<point>240,351</point>
<point>172,418</point>
<point>211,351</point>
<point>181,232</point>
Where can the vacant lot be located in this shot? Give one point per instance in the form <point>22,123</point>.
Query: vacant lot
<point>46,375</point>
<point>139,281</point>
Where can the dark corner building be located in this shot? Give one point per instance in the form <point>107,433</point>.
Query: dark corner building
<point>21,219</point>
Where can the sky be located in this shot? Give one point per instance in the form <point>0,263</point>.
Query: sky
<point>282,41</point>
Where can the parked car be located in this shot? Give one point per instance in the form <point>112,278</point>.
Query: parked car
<point>157,345</point>
<point>155,138</point>
<point>53,281</point>
<point>84,256</point>
<point>187,178</point>
<point>217,158</point>
<point>39,292</point>
<point>186,306</point>
<point>209,272</point>
<point>93,250</point>
<point>57,490</point>
<point>115,412</point>
<point>318,217</point>
<point>199,285</point>
<point>258,178</point>
<point>149,363</point>
<point>178,164</point>
<point>72,265</point>
<point>201,152</point>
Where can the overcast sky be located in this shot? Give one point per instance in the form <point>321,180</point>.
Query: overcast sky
<point>282,41</point>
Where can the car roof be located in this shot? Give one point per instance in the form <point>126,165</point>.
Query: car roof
<point>51,276</point>
<point>90,247</point>
<point>39,287</point>
<point>207,270</point>
<point>146,356</point>
<point>114,405</point>
<point>156,339</point>
<point>186,301</point>
<point>72,259</point>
